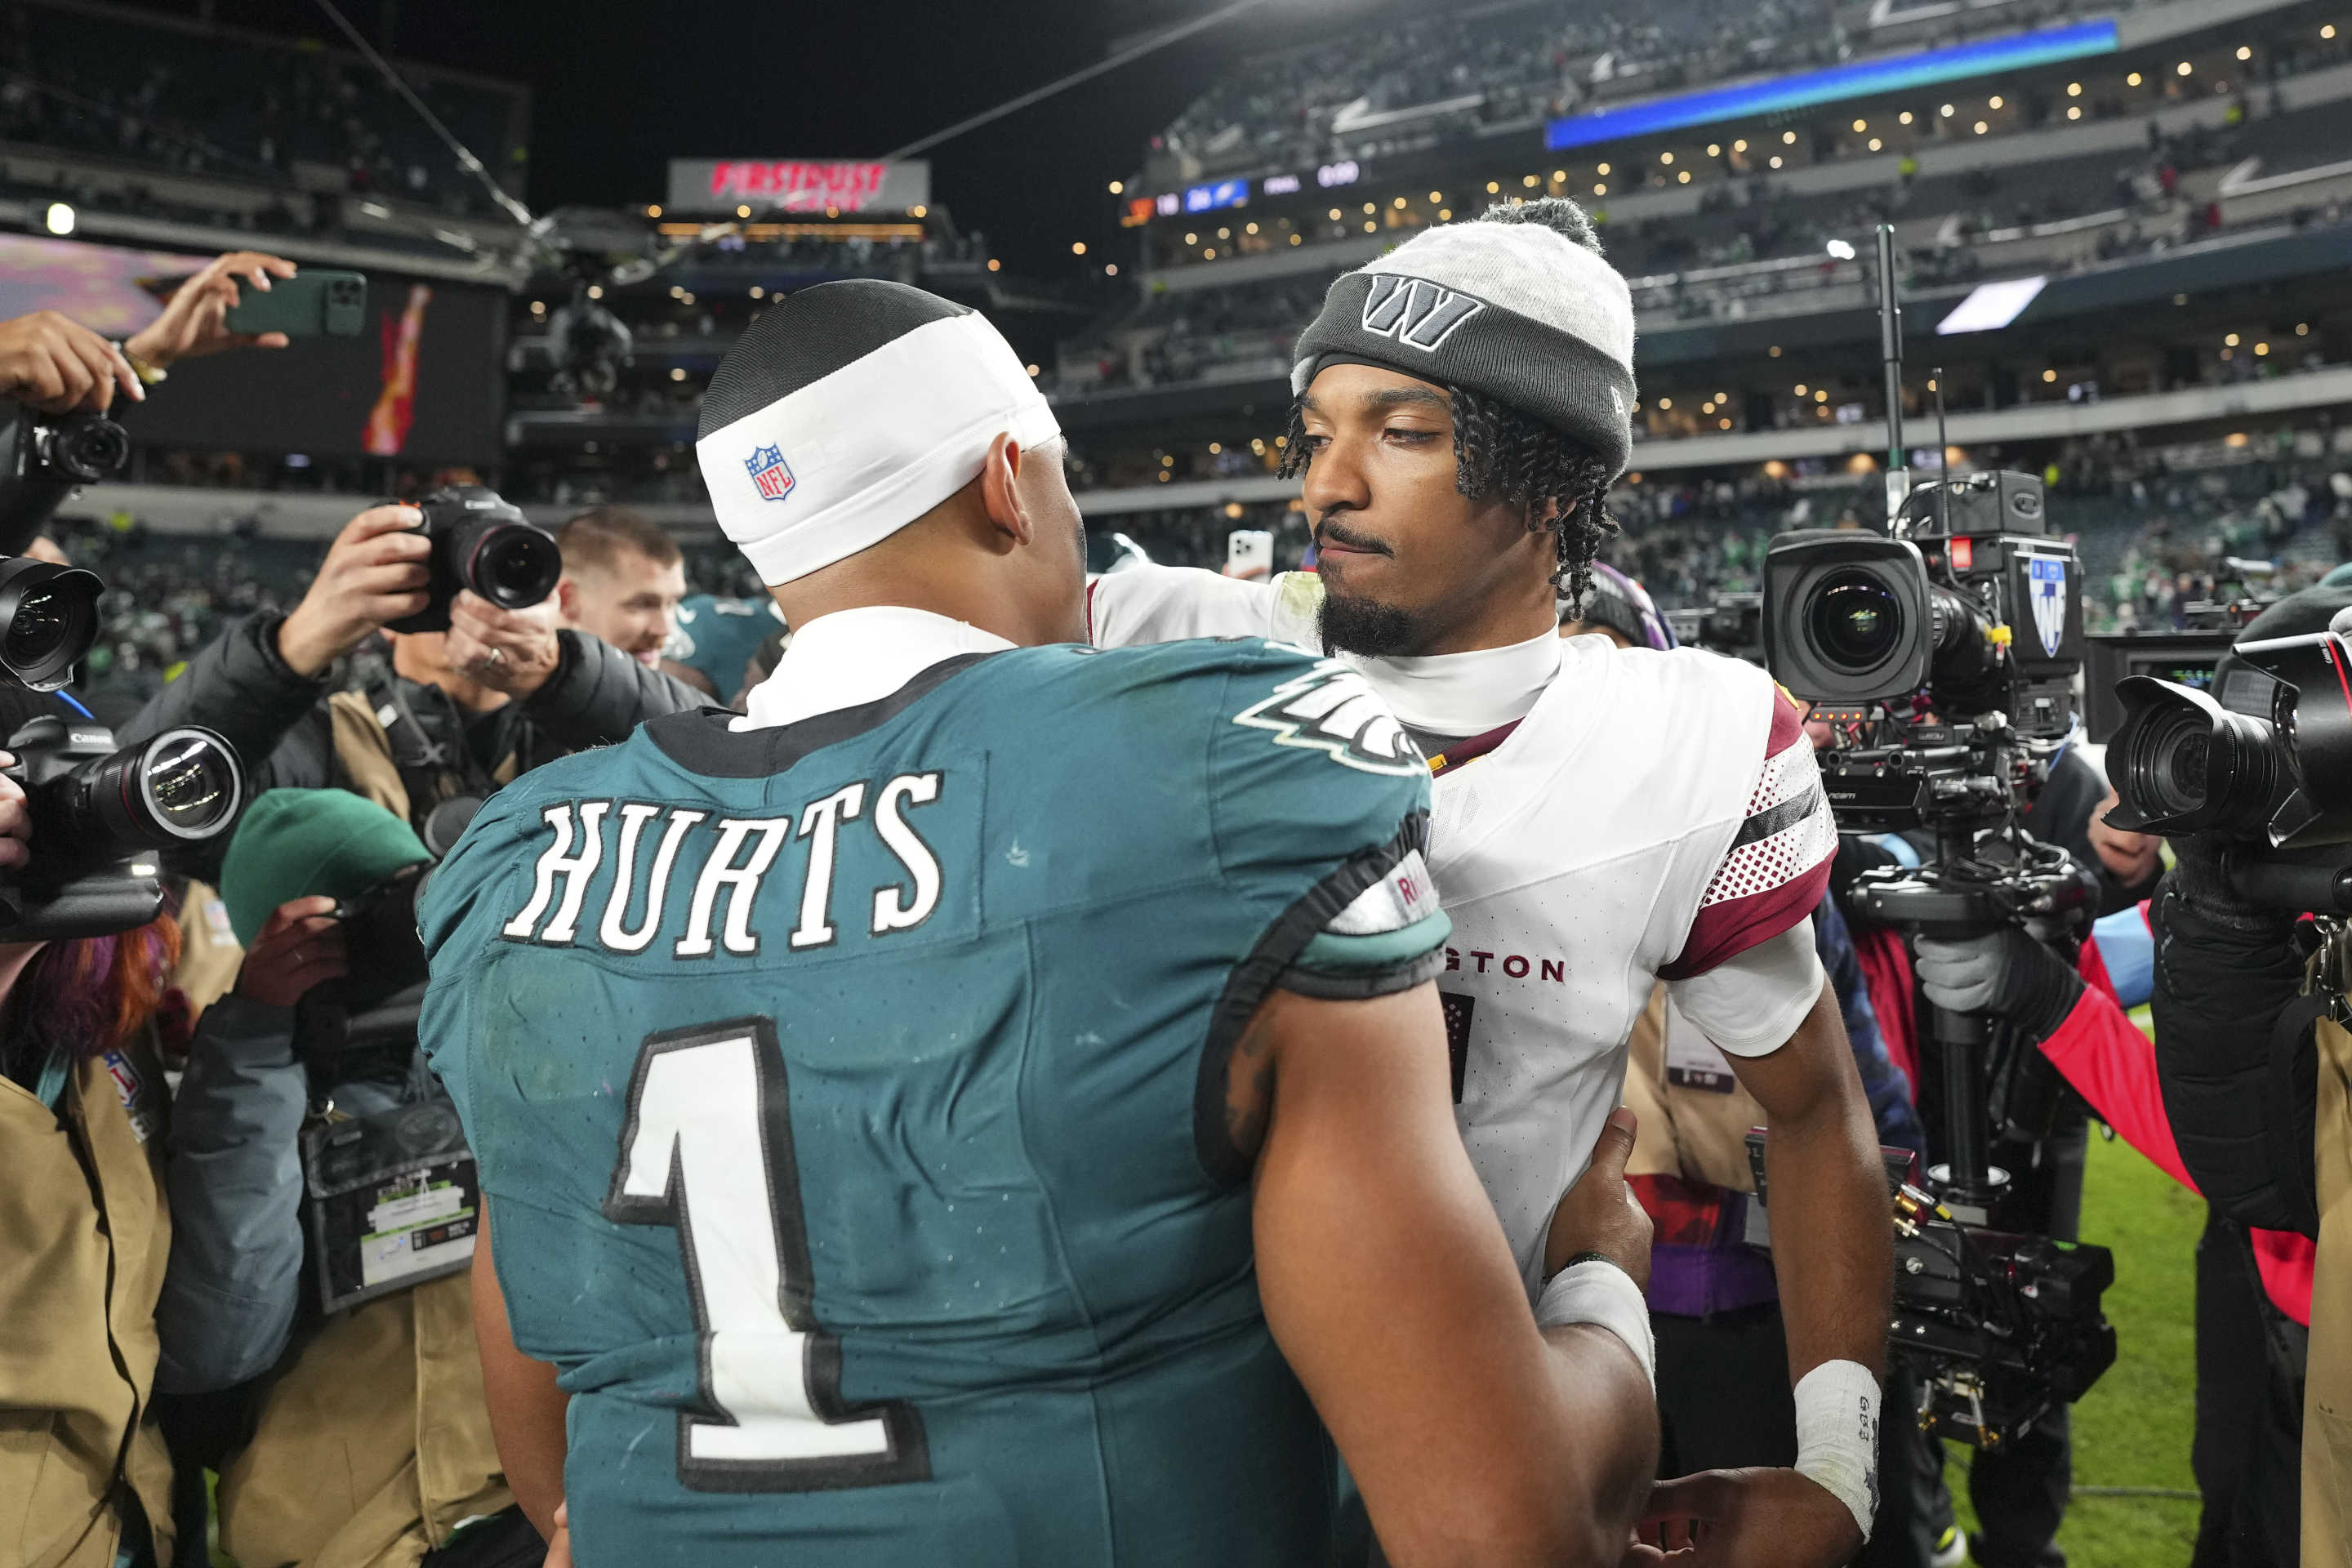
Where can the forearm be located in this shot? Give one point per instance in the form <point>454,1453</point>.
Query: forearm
<point>237,685</point>
<point>1835,1259</point>
<point>598,694</point>
<point>1613,1411</point>
<point>526,1410</point>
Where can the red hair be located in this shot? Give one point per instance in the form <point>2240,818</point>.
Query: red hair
<point>96,991</point>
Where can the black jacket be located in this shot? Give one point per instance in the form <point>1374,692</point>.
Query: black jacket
<point>277,719</point>
<point>2061,814</point>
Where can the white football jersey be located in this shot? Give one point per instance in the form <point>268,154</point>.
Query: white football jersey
<point>1654,815</point>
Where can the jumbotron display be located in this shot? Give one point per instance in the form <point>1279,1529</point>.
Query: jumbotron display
<point>423,381</point>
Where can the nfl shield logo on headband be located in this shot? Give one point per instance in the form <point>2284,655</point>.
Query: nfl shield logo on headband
<point>766,466</point>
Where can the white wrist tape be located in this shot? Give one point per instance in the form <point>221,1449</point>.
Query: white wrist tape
<point>1599,1292</point>
<point>1837,1436</point>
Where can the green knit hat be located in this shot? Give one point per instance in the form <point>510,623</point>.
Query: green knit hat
<point>295,843</point>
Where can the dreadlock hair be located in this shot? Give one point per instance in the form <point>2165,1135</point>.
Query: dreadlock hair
<point>1502,453</point>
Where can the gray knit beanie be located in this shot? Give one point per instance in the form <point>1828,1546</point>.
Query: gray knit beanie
<point>1508,305</point>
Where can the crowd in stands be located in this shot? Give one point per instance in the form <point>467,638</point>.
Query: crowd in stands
<point>203,102</point>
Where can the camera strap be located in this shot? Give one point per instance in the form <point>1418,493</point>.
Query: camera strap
<point>431,771</point>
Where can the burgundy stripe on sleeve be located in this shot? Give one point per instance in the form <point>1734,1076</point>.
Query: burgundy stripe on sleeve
<point>1778,863</point>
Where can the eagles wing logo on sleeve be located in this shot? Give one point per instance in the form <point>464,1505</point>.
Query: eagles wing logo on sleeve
<point>1331,708</point>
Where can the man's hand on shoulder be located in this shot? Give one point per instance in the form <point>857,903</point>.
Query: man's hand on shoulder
<point>1745,1519</point>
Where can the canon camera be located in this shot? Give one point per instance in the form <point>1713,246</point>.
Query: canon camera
<point>100,818</point>
<point>482,543</point>
<point>43,458</point>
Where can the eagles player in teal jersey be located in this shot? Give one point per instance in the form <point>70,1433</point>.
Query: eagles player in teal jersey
<point>986,1103</point>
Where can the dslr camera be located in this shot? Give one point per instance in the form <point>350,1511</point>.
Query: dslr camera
<point>101,817</point>
<point>44,458</point>
<point>2263,755</point>
<point>482,542</point>
<point>1944,656</point>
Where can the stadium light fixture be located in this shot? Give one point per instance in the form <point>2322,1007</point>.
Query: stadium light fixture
<point>1776,160</point>
<point>1860,126</point>
<point>1602,169</point>
<point>1739,146</point>
<point>2049,375</point>
<point>2185,68</point>
<point>742,212</point>
<point>1904,118</point>
<point>1788,139</point>
<point>2075,111</point>
<point>2244,53</point>
<point>2302,328</point>
<point>758,292</point>
<point>677,373</point>
<point>1665,157</point>
<point>1436,197</point>
<point>1077,247</point>
<point>2074,90</point>
<point>1842,249</point>
<point>1600,189</point>
<point>1803,391</point>
<point>2232,340</point>
<point>1665,403</point>
<point>2261,348</point>
<point>1991,306</point>
<point>1946,111</point>
<point>1683,177</point>
<point>1993,102</point>
<point>994,265</point>
<point>1558,177</point>
<point>1530,182</point>
<point>1715,149</point>
<point>654,211</point>
<point>1336,215</point>
<point>1117,187</point>
<point>1982,128</point>
<point>1876,144</point>
<point>2328,31</point>
<point>2133,79</point>
<point>58,219</point>
<point>1493,189</point>
<point>596,291</point>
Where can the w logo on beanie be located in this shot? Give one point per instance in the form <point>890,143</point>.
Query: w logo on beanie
<point>1415,311</point>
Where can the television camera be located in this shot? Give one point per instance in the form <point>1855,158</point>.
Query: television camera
<point>1942,658</point>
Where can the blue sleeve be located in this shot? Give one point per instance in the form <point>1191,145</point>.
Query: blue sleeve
<point>235,1182</point>
<point>2128,949</point>
<point>1890,1095</point>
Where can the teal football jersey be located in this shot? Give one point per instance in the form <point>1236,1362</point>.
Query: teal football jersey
<point>849,1100</point>
<point>719,636</point>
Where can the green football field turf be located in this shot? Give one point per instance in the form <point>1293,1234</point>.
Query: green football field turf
<point>2132,1429</point>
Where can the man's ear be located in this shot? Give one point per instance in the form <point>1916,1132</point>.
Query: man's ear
<point>567,598</point>
<point>999,488</point>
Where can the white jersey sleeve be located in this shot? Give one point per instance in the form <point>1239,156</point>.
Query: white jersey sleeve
<point>1168,604</point>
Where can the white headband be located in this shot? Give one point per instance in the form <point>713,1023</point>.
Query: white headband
<point>847,461</point>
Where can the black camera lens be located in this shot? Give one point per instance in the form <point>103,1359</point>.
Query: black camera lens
<point>89,449</point>
<point>1855,620</point>
<point>514,565</point>
<point>2205,769</point>
<point>190,782</point>
<point>48,619</point>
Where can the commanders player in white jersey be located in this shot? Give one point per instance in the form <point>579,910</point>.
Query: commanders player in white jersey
<point>1605,818</point>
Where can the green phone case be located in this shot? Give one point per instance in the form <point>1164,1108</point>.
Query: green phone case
<point>308,305</point>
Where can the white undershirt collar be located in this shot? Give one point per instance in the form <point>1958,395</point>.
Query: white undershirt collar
<point>852,657</point>
<point>1463,694</point>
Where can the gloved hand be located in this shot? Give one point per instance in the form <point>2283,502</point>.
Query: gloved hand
<point>2006,974</point>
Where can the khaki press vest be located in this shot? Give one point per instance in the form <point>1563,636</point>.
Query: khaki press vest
<point>2327,1383</point>
<point>374,1443</point>
<point>1696,1134</point>
<point>84,1234</point>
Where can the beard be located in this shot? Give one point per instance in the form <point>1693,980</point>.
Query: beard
<point>1366,626</point>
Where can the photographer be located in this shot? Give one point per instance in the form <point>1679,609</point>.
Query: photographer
<point>84,1229</point>
<point>2253,1072</point>
<point>2253,1287</point>
<point>390,1382</point>
<point>623,579</point>
<point>457,713</point>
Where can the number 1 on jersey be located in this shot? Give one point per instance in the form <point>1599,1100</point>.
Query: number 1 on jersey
<point>709,1112</point>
